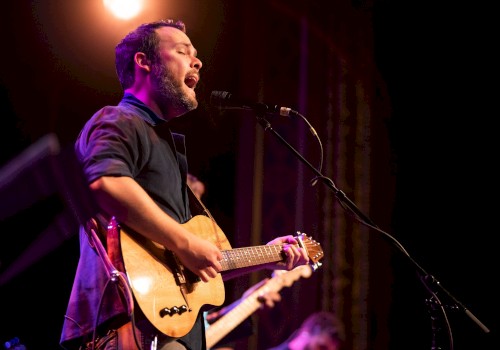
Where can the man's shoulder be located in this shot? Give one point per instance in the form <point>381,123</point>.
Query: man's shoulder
<point>119,113</point>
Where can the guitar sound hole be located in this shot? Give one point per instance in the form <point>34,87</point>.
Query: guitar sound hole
<point>191,276</point>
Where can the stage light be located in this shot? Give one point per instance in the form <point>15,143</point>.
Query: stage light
<point>124,9</point>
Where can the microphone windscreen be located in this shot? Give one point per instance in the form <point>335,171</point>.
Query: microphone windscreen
<point>219,98</point>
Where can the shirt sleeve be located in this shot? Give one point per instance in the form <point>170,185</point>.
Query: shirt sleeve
<point>112,143</point>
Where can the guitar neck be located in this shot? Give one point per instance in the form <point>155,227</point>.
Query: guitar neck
<point>222,327</point>
<point>251,256</point>
<point>244,307</point>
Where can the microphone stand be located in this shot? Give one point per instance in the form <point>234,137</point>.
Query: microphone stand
<point>430,283</point>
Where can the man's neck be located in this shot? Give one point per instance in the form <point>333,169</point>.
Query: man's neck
<point>145,98</point>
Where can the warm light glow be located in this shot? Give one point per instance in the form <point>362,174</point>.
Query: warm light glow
<point>124,9</point>
<point>143,285</point>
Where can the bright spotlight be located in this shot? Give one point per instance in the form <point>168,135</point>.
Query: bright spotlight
<point>124,9</point>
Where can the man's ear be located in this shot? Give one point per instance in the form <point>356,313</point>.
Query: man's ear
<point>142,61</point>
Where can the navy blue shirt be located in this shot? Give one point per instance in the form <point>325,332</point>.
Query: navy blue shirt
<point>125,140</point>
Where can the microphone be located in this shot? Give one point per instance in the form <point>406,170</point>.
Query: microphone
<point>225,100</point>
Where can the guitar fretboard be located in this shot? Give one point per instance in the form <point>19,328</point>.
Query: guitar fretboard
<point>251,256</point>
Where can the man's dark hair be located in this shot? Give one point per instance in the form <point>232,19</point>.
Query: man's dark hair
<point>142,39</point>
<point>324,322</point>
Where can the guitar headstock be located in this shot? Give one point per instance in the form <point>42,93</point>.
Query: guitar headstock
<point>313,248</point>
<point>287,277</point>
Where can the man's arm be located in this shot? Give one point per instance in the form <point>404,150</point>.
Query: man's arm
<point>123,198</point>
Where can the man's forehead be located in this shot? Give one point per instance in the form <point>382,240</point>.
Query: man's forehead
<point>171,37</point>
<point>172,34</point>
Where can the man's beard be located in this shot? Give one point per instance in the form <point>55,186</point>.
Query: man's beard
<point>170,93</point>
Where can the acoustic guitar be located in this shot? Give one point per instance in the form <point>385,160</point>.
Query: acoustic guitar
<point>170,295</point>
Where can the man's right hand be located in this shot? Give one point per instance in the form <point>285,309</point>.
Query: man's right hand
<point>201,257</point>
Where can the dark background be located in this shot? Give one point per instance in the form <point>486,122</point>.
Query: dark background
<point>438,62</point>
<point>439,65</point>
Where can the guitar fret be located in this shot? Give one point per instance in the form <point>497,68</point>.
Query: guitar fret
<point>251,256</point>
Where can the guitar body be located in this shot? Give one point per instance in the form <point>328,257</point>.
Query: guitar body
<point>169,295</point>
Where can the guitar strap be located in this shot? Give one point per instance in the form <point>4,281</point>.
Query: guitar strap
<point>196,205</point>
<point>111,257</point>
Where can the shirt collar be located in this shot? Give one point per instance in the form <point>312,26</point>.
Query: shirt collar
<point>147,114</point>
